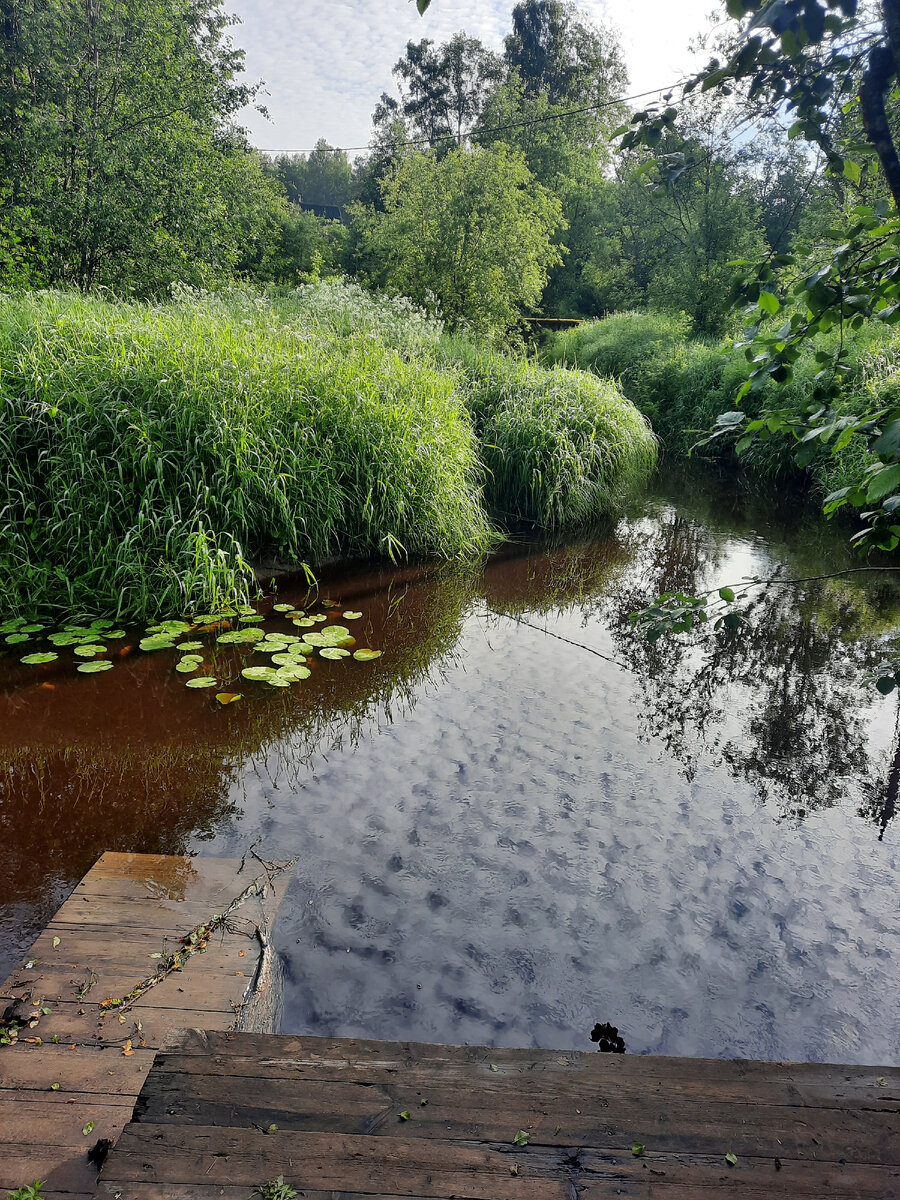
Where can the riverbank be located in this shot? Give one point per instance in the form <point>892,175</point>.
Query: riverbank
<point>151,453</point>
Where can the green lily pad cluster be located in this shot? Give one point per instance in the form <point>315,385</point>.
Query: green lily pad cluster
<point>240,626</point>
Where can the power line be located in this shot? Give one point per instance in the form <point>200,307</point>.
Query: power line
<point>452,137</point>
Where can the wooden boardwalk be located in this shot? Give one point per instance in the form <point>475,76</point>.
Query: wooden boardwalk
<point>222,1113</point>
<point>77,1063</point>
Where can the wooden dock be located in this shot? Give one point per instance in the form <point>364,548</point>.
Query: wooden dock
<point>218,1113</point>
<point>77,1050</point>
<point>221,1114</point>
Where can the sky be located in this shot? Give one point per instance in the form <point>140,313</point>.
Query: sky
<point>326,62</point>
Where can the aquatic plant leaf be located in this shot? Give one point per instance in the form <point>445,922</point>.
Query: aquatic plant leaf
<point>318,616</point>
<point>315,639</point>
<point>272,647</point>
<point>301,649</point>
<point>294,672</point>
<point>31,629</point>
<point>12,625</point>
<point>90,650</point>
<point>159,642</point>
<point>366,655</point>
<point>190,646</point>
<point>65,639</point>
<point>334,633</point>
<point>333,652</point>
<point>204,681</point>
<point>93,668</point>
<point>186,667</point>
<point>214,618</point>
<point>114,633</point>
<point>248,618</point>
<point>282,608</point>
<point>286,639</point>
<point>173,627</point>
<point>44,657</point>
<point>13,639</point>
<point>348,643</point>
<point>351,616</point>
<point>304,622</point>
<point>285,660</point>
<point>246,610</point>
<point>261,674</point>
<point>239,636</point>
<point>229,697</point>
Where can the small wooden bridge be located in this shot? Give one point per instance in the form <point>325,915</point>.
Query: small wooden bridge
<point>221,1112</point>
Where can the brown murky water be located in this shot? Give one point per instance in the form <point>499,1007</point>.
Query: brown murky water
<point>522,819</point>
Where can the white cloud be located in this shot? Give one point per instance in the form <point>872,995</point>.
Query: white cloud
<point>326,64</point>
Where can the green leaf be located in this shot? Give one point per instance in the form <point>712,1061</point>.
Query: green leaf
<point>725,593</point>
<point>422,6</point>
<point>852,170</point>
<point>186,645</point>
<point>89,1128</point>
<point>238,637</point>
<point>95,667</point>
<point>204,681</point>
<point>333,652</point>
<point>886,684</point>
<point>228,697</point>
<point>351,616</point>
<point>90,651</point>
<point>493,1067</point>
<point>637,1149</point>
<point>282,608</point>
<point>522,1138</point>
<point>366,655</point>
<point>405,1115</point>
<point>769,303</point>
<point>884,483</point>
<point>157,641</point>
<point>54,1087</point>
<point>731,1158</point>
<point>44,657</point>
<point>55,942</point>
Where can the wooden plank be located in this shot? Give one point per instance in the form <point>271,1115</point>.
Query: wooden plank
<point>561,1073</point>
<point>168,1156</point>
<point>670,1123</point>
<point>128,909</point>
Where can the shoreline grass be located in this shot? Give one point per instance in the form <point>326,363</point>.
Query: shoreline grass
<point>152,453</point>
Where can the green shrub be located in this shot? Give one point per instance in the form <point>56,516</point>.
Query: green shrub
<point>149,453</point>
<point>682,384</point>
<point>560,446</point>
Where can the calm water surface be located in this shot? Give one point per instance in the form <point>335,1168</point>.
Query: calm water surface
<point>523,819</point>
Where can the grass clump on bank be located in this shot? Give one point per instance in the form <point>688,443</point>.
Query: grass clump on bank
<point>560,447</point>
<point>682,384</point>
<point>148,454</point>
<point>151,454</point>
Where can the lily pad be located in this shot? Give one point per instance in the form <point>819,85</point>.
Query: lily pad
<point>318,616</point>
<point>304,622</point>
<point>351,616</point>
<point>335,633</point>
<point>66,639</point>
<point>44,657</point>
<point>93,668</point>
<point>251,618</point>
<point>91,650</point>
<point>366,655</point>
<point>271,647</point>
<point>334,652</point>
<point>316,639</point>
<point>280,608</point>
<point>286,660</point>
<point>158,642</point>
<point>172,627</point>
<point>293,672</point>
<point>83,630</point>
<point>31,629</point>
<point>246,610</point>
<point>186,666</point>
<point>301,650</point>
<point>13,639</point>
<point>114,633</point>
<point>260,674</point>
<point>214,618</point>
<point>204,681</point>
<point>228,697</point>
<point>240,636</point>
<point>189,646</point>
<point>12,624</point>
<point>287,639</point>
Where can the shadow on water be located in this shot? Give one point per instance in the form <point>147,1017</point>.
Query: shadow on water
<point>487,731</point>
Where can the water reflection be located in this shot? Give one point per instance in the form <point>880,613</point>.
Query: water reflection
<point>550,825</point>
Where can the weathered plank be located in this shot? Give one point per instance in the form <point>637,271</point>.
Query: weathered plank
<point>348,1118</point>
<point>109,937</point>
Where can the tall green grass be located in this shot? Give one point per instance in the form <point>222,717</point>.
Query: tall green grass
<point>150,454</point>
<point>560,447</point>
<point>682,384</point>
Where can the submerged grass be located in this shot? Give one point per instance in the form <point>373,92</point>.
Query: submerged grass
<point>151,453</point>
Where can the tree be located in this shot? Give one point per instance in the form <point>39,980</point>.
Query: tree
<point>556,53</point>
<point>322,177</point>
<point>115,127</point>
<point>472,230</point>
